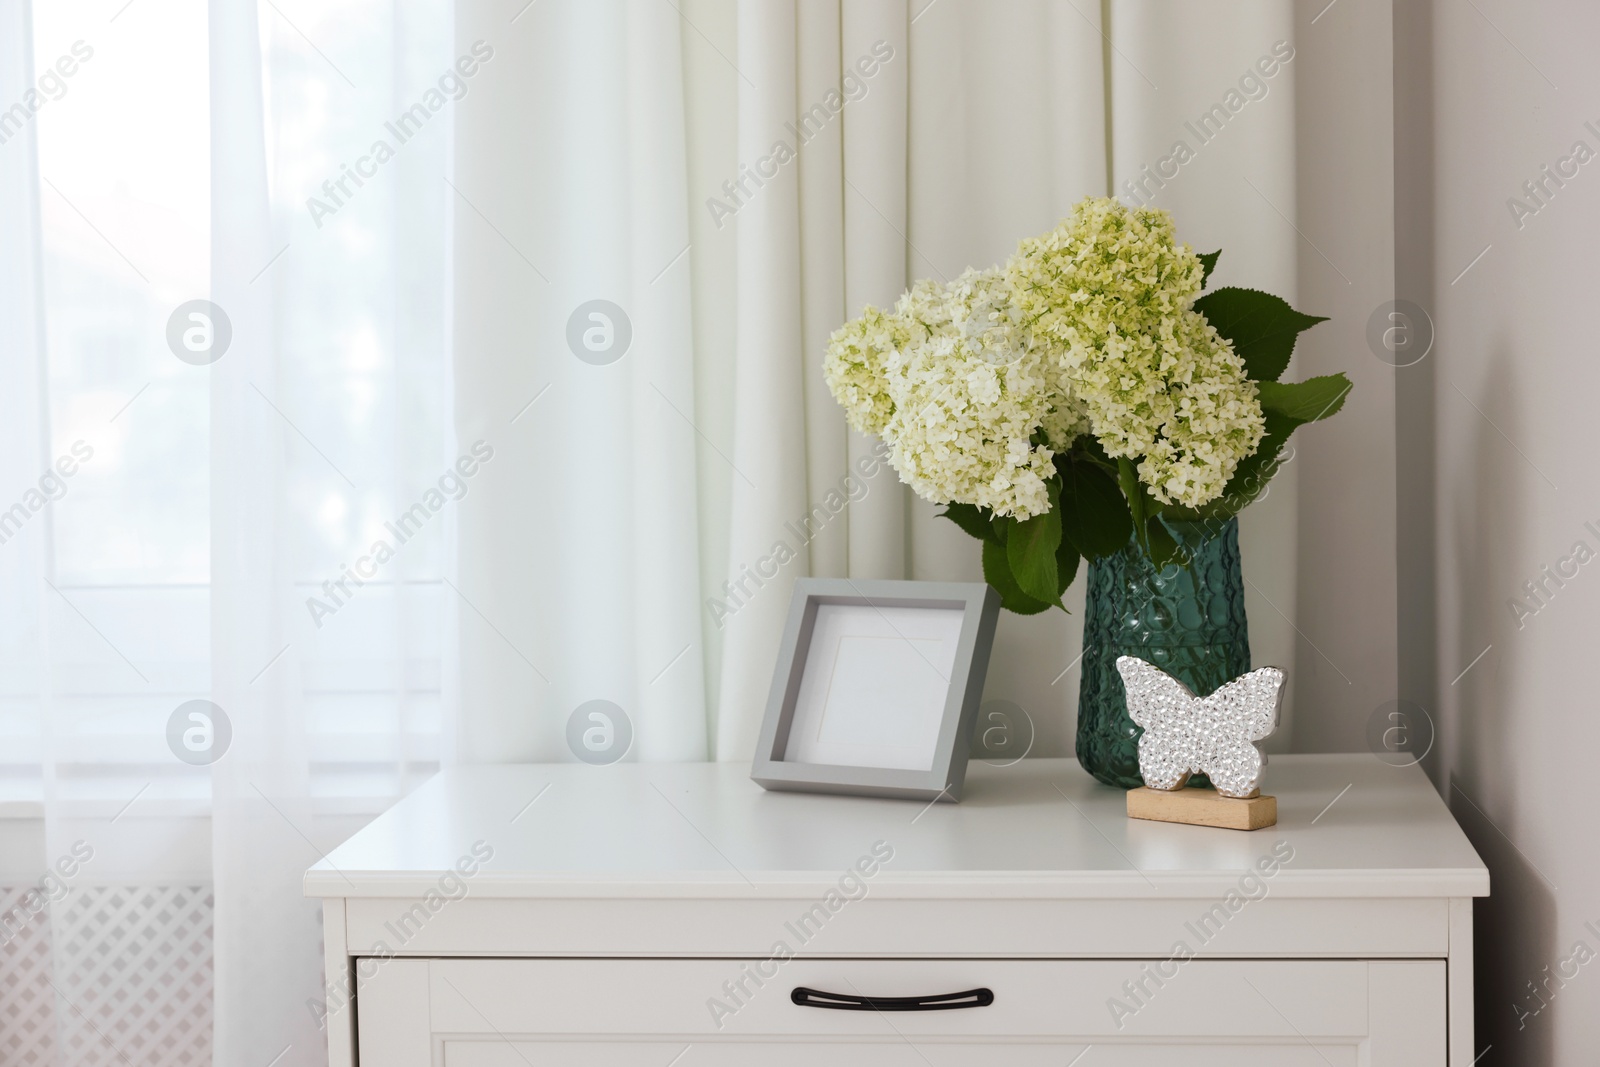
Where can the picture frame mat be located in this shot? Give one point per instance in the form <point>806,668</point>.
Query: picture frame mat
<point>875,685</point>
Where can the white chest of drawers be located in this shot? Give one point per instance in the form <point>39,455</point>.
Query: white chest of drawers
<point>647,915</point>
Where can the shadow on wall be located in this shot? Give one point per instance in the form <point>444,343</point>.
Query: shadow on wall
<point>1515,937</point>
<point>1416,383</point>
<point>1514,930</point>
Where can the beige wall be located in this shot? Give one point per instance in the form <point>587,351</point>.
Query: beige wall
<point>1497,479</point>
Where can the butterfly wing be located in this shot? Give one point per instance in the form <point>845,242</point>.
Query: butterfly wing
<point>1247,708</point>
<point>1153,694</point>
<point>1252,702</point>
<point>1159,703</point>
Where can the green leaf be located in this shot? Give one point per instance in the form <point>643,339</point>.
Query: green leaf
<point>973,520</point>
<point>1088,449</point>
<point>1133,492</point>
<point>1209,261</point>
<point>1262,328</point>
<point>1094,513</point>
<point>1164,548</point>
<point>1154,538</point>
<point>1307,401</point>
<point>997,572</point>
<point>1031,551</point>
<point>1066,569</point>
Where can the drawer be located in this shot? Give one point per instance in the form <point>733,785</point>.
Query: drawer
<point>721,1012</point>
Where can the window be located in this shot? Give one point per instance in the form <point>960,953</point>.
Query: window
<point>109,628</point>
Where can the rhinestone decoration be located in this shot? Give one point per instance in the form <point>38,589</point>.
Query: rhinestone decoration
<point>1213,735</point>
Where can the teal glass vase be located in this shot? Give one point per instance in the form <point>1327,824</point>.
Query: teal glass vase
<point>1189,621</point>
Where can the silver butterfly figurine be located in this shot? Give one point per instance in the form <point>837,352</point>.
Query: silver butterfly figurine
<point>1212,735</point>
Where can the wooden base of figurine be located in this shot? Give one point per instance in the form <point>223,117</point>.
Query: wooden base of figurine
<point>1202,807</point>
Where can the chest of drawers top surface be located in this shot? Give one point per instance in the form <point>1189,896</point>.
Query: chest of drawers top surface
<point>1038,828</point>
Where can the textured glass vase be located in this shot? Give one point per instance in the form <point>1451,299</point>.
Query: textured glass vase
<point>1189,621</point>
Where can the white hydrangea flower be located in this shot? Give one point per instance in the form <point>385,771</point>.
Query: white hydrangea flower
<point>969,392</point>
<point>977,384</point>
<point>1112,292</point>
<point>1212,420</point>
<point>854,368</point>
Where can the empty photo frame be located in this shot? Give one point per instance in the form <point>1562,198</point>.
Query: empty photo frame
<point>877,687</point>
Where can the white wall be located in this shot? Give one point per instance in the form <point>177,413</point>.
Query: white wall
<point>1497,481</point>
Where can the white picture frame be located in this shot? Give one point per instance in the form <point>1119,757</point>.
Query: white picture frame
<point>877,687</point>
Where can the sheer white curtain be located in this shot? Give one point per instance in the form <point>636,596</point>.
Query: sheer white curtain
<point>216,537</point>
<point>333,479</point>
<point>579,573</point>
<point>24,430</point>
<point>104,917</point>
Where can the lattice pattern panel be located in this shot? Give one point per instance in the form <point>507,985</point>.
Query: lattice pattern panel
<point>113,976</point>
<point>27,1003</point>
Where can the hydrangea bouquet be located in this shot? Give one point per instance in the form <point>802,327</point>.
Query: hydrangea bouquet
<point>1083,395</point>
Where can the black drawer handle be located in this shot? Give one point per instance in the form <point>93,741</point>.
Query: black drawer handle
<point>816,998</point>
